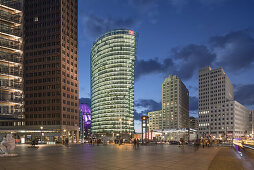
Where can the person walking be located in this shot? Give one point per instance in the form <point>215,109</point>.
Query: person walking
<point>203,143</point>
<point>135,143</point>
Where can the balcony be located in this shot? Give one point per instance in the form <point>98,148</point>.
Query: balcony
<point>11,87</point>
<point>16,73</point>
<point>7,16</point>
<point>10,30</point>
<point>14,4</point>
<point>11,101</point>
<point>16,58</point>
<point>10,44</point>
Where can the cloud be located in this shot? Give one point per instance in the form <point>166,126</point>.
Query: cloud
<point>211,2</point>
<point>95,25</point>
<point>191,58</point>
<point>235,50</point>
<point>180,4</point>
<point>146,7</point>
<point>85,101</point>
<point>144,67</point>
<point>244,94</point>
<point>193,102</point>
<point>184,62</point>
<point>143,106</point>
<point>143,5</point>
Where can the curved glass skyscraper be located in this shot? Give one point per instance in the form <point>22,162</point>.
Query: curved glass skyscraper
<point>112,83</point>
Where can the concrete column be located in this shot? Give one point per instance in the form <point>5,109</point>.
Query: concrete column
<point>77,136</point>
<point>72,136</point>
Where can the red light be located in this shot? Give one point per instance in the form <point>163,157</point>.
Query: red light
<point>131,32</point>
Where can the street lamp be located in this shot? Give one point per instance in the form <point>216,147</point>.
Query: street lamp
<point>120,131</point>
<point>41,132</point>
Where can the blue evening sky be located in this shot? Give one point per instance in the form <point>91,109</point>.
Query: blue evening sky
<point>175,37</point>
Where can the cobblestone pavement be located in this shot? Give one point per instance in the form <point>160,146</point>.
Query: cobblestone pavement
<point>84,156</point>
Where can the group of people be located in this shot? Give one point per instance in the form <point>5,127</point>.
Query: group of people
<point>206,142</point>
<point>66,141</point>
<point>136,143</point>
<point>92,141</point>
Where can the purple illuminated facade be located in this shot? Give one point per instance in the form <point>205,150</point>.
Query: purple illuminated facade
<point>86,112</point>
<point>84,120</point>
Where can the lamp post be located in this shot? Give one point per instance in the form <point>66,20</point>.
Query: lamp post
<point>82,128</point>
<point>41,132</point>
<point>120,127</point>
<point>64,134</point>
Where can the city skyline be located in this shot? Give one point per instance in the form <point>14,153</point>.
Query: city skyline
<point>134,84</point>
<point>176,47</point>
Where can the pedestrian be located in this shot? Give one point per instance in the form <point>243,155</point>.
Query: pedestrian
<point>203,143</point>
<point>66,141</point>
<point>135,143</point>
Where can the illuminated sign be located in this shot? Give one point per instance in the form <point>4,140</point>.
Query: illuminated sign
<point>144,117</point>
<point>131,32</point>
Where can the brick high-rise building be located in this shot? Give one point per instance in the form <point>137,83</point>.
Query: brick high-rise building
<point>51,67</point>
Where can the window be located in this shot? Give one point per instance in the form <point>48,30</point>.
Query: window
<point>36,19</point>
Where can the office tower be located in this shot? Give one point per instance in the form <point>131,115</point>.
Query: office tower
<point>193,123</point>
<point>239,123</point>
<point>155,120</point>
<point>11,64</point>
<point>219,114</point>
<point>51,67</point>
<point>112,83</point>
<point>175,104</point>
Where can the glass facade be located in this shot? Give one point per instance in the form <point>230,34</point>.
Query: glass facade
<point>112,82</point>
<point>11,63</point>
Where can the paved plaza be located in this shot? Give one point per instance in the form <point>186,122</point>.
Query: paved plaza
<point>84,156</point>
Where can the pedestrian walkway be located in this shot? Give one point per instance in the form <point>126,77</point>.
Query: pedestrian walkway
<point>111,157</point>
<point>229,159</point>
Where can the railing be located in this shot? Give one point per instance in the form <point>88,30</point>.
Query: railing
<point>11,100</point>
<point>11,31</point>
<point>16,4</point>
<point>10,17</point>
<point>18,74</point>
<point>10,44</point>
<point>11,57</point>
<point>15,87</point>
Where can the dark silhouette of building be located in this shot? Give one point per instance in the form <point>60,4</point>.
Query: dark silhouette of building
<point>51,67</point>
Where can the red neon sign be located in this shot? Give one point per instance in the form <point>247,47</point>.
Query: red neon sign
<point>131,32</point>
